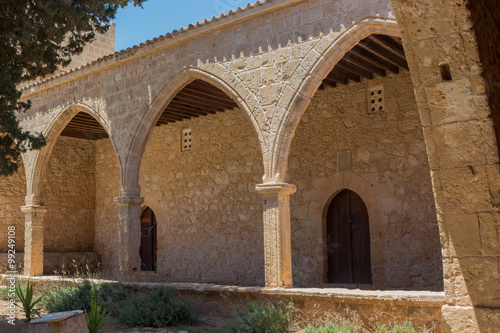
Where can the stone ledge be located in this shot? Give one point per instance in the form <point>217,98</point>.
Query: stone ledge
<point>428,297</point>
<point>431,298</point>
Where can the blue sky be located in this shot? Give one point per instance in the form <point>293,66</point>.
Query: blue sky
<point>135,25</point>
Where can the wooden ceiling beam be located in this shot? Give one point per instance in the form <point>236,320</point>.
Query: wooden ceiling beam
<point>344,64</point>
<point>196,104</point>
<point>208,94</point>
<point>390,43</point>
<point>382,51</point>
<point>189,94</point>
<point>345,73</point>
<point>189,108</point>
<point>181,112</point>
<point>82,135</point>
<point>333,77</point>
<point>85,125</point>
<point>174,116</point>
<point>370,56</point>
<point>359,61</point>
<point>201,85</point>
<point>328,82</point>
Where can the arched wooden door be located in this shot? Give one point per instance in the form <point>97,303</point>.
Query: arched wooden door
<point>348,240</point>
<point>148,240</point>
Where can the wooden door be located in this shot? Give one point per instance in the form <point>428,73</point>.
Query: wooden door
<point>148,240</point>
<point>348,240</point>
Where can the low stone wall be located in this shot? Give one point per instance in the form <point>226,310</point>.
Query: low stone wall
<point>369,308</point>
<point>58,261</point>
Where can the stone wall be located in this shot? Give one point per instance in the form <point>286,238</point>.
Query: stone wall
<point>12,193</point>
<point>208,213</point>
<point>69,195</point>
<point>485,15</point>
<point>106,212</point>
<point>388,152</point>
<point>103,45</point>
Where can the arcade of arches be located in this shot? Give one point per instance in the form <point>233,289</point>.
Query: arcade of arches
<point>299,143</point>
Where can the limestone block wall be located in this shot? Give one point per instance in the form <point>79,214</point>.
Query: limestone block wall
<point>69,195</point>
<point>107,182</point>
<point>12,193</point>
<point>485,16</point>
<point>208,213</point>
<point>388,154</point>
<point>103,45</point>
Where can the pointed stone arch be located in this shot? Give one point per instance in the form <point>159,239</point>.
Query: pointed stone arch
<point>35,174</point>
<point>302,87</point>
<point>227,82</point>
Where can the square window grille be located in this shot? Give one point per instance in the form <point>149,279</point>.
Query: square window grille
<point>376,99</point>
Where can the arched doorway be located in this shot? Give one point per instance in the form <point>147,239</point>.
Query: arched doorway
<point>148,240</point>
<point>348,240</point>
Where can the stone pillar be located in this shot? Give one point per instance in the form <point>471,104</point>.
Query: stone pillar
<point>442,52</point>
<point>129,235</point>
<point>33,239</point>
<point>277,236</point>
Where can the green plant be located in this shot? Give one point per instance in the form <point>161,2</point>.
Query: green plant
<point>96,317</point>
<point>261,318</point>
<point>405,327</point>
<point>80,296</point>
<point>67,297</point>
<point>155,308</point>
<point>28,304</point>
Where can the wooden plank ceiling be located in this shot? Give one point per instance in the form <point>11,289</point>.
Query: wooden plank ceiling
<point>198,98</point>
<point>374,55</point>
<point>84,126</point>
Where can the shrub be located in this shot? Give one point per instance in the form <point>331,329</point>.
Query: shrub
<point>67,297</point>
<point>261,318</point>
<point>329,328</point>
<point>155,308</point>
<point>80,296</point>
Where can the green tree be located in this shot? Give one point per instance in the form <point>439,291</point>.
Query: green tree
<point>36,38</point>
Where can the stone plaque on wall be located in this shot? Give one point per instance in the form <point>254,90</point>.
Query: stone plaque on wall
<point>344,162</point>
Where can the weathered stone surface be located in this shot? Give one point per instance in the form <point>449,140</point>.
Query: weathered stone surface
<point>60,322</point>
<point>389,163</point>
<point>271,59</point>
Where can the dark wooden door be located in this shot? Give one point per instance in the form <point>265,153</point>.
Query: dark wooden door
<point>348,240</point>
<point>148,240</point>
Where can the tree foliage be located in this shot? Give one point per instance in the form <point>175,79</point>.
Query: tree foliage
<point>36,38</point>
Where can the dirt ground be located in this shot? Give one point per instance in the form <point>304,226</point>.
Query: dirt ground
<point>112,326</point>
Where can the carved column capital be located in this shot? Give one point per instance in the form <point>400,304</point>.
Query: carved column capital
<point>128,200</point>
<point>276,188</point>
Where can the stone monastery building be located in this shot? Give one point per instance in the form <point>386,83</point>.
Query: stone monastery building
<point>291,143</point>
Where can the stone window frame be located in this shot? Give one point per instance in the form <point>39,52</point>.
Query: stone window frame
<point>318,209</point>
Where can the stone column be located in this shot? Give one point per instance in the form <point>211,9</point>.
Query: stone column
<point>129,235</point>
<point>33,239</point>
<point>277,236</point>
<point>442,52</point>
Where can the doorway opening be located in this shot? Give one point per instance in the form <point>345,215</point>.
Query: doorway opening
<point>148,241</point>
<point>348,240</point>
